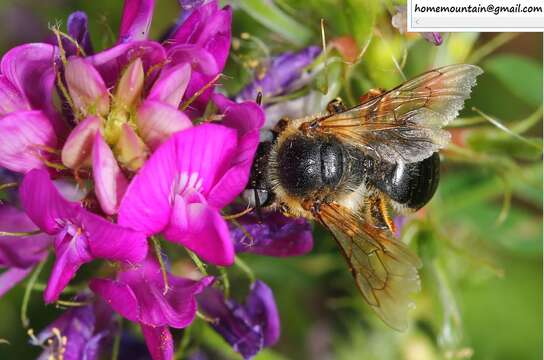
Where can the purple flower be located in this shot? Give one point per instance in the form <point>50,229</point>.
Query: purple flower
<point>284,74</point>
<point>19,254</point>
<point>399,21</point>
<point>79,333</point>
<point>249,327</point>
<point>77,27</point>
<point>181,188</point>
<point>138,295</point>
<point>274,235</point>
<point>80,236</point>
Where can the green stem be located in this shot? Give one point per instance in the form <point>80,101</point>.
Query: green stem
<point>68,303</point>
<point>225,280</point>
<point>199,264</point>
<point>158,254</point>
<point>206,318</point>
<point>19,233</point>
<point>245,269</point>
<point>183,344</point>
<point>66,290</point>
<point>490,46</point>
<point>8,185</point>
<point>117,341</point>
<point>28,290</point>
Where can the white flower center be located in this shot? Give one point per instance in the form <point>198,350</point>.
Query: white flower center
<point>185,183</point>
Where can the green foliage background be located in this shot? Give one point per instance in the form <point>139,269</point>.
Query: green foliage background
<point>480,238</point>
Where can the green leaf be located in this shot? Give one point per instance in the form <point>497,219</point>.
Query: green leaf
<point>520,75</point>
<point>361,16</point>
<point>503,144</point>
<point>273,18</point>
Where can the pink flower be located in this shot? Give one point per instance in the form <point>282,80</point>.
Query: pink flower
<point>80,236</point>
<point>29,122</point>
<point>138,295</point>
<point>181,188</point>
<point>124,101</point>
<point>19,254</point>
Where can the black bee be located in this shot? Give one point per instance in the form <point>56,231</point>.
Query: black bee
<point>346,167</point>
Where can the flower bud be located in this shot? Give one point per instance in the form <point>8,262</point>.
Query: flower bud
<point>86,87</point>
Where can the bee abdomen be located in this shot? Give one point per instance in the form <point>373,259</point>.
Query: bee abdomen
<point>411,184</point>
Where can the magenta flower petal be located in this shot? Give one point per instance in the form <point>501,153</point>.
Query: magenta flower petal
<point>191,160</point>
<point>11,277</point>
<point>72,251</point>
<point>113,242</point>
<point>142,286</point>
<point>42,202</point>
<point>200,59</point>
<point>86,87</point>
<point>110,182</point>
<point>209,27</point>
<point>157,121</point>
<point>24,134</point>
<point>176,309</point>
<point>77,26</point>
<point>201,229</point>
<point>244,116</point>
<point>77,150</point>
<point>159,342</point>
<point>171,84</point>
<point>20,251</point>
<point>80,235</point>
<point>136,20</point>
<point>10,98</point>
<point>119,296</point>
<point>110,63</point>
<point>205,68</point>
<point>247,118</point>
<point>30,69</point>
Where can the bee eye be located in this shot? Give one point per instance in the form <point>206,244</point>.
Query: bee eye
<point>249,197</point>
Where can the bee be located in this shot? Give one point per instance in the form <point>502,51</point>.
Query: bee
<point>347,167</point>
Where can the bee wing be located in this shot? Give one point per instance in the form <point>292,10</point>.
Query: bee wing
<point>405,124</point>
<point>384,269</point>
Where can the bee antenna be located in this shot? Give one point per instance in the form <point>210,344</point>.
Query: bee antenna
<point>324,45</point>
<point>259,98</point>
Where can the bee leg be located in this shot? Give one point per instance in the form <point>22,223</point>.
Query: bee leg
<point>258,206</point>
<point>259,98</point>
<point>378,214</point>
<point>336,106</point>
<point>371,94</point>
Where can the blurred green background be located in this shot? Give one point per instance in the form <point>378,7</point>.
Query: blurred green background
<point>480,239</point>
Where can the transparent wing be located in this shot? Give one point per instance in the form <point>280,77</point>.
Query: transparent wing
<point>384,269</point>
<point>405,124</point>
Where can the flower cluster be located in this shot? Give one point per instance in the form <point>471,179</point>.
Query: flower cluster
<point>114,150</point>
<point>128,158</point>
